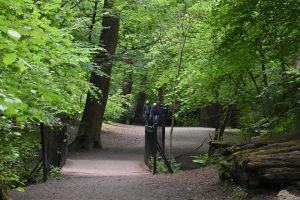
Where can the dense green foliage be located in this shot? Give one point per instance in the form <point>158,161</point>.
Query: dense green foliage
<point>258,44</point>
<point>41,78</point>
<point>226,52</point>
<point>219,52</point>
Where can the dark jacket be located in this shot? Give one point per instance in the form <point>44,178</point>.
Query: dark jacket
<point>154,110</point>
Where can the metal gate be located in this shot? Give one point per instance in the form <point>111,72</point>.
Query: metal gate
<point>155,144</point>
<point>54,149</point>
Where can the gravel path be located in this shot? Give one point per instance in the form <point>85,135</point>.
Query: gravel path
<point>194,184</point>
<point>122,154</point>
<point>117,172</point>
<point>123,151</point>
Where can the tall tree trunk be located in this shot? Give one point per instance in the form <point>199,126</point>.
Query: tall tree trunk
<point>263,69</point>
<point>126,89</point>
<point>141,99</point>
<point>91,122</point>
<point>160,95</point>
<point>221,131</point>
<point>140,102</point>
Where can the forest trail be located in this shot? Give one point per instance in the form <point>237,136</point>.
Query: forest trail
<point>122,154</point>
<point>117,172</point>
<point>123,151</point>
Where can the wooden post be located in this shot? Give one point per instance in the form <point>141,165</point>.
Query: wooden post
<point>44,153</point>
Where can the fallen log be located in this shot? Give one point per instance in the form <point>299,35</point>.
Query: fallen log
<point>285,195</point>
<point>265,163</point>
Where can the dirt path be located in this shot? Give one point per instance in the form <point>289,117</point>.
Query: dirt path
<point>122,154</point>
<point>124,149</point>
<point>117,172</point>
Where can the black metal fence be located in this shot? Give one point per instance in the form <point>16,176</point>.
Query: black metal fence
<point>155,144</point>
<point>161,136</point>
<point>2,194</point>
<point>150,144</point>
<point>54,147</point>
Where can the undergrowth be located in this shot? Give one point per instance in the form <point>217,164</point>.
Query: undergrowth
<point>161,166</point>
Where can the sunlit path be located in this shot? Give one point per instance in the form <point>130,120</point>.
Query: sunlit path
<point>122,155</point>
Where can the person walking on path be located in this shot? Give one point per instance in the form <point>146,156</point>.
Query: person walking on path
<point>146,111</point>
<point>154,112</point>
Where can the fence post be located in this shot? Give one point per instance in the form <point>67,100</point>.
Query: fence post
<point>154,149</point>
<point>1,194</point>
<point>163,125</point>
<point>64,147</point>
<point>44,153</point>
<point>146,147</point>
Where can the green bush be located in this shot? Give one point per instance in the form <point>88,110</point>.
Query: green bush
<point>161,166</point>
<point>117,106</point>
<point>55,172</point>
<point>17,156</point>
<point>42,79</point>
<point>205,159</point>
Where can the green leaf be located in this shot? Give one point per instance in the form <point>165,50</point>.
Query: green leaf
<point>22,118</point>
<point>9,58</point>
<point>21,189</point>
<point>3,108</point>
<point>17,133</point>
<point>10,112</point>
<point>21,66</point>
<point>14,34</point>
<point>199,161</point>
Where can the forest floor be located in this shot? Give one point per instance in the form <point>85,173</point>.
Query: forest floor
<point>117,172</point>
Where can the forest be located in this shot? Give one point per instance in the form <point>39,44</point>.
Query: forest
<point>217,63</point>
